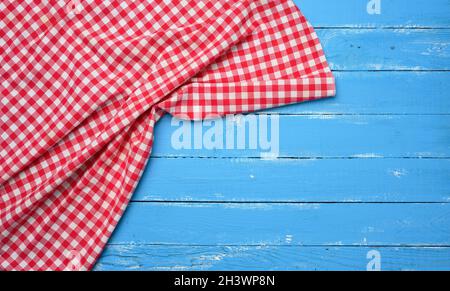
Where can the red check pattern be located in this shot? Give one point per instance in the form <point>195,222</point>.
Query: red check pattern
<point>84,82</point>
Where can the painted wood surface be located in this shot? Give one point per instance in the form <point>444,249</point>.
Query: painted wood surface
<point>367,170</point>
<point>300,180</point>
<point>277,258</point>
<point>285,224</point>
<point>386,49</point>
<point>412,136</point>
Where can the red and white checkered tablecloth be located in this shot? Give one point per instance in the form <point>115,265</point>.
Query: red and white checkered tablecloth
<point>84,82</point>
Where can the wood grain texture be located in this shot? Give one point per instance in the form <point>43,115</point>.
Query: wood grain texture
<point>417,136</point>
<point>332,180</point>
<point>394,13</point>
<point>384,49</point>
<point>284,224</point>
<point>297,258</point>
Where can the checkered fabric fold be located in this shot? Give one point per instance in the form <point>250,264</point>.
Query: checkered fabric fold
<point>84,82</point>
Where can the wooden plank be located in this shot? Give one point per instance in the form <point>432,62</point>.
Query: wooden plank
<point>266,258</point>
<point>418,136</point>
<point>285,224</point>
<point>318,180</point>
<point>381,93</point>
<point>386,49</point>
<point>394,13</point>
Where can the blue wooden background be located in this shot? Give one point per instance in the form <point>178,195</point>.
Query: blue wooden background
<point>367,170</point>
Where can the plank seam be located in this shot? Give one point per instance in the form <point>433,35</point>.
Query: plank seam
<point>388,70</point>
<point>297,158</point>
<point>284,202</point>
<point>286,245</point>
<point>386,27</point>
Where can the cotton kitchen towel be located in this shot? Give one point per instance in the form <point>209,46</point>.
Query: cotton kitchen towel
<point>84,82</point>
